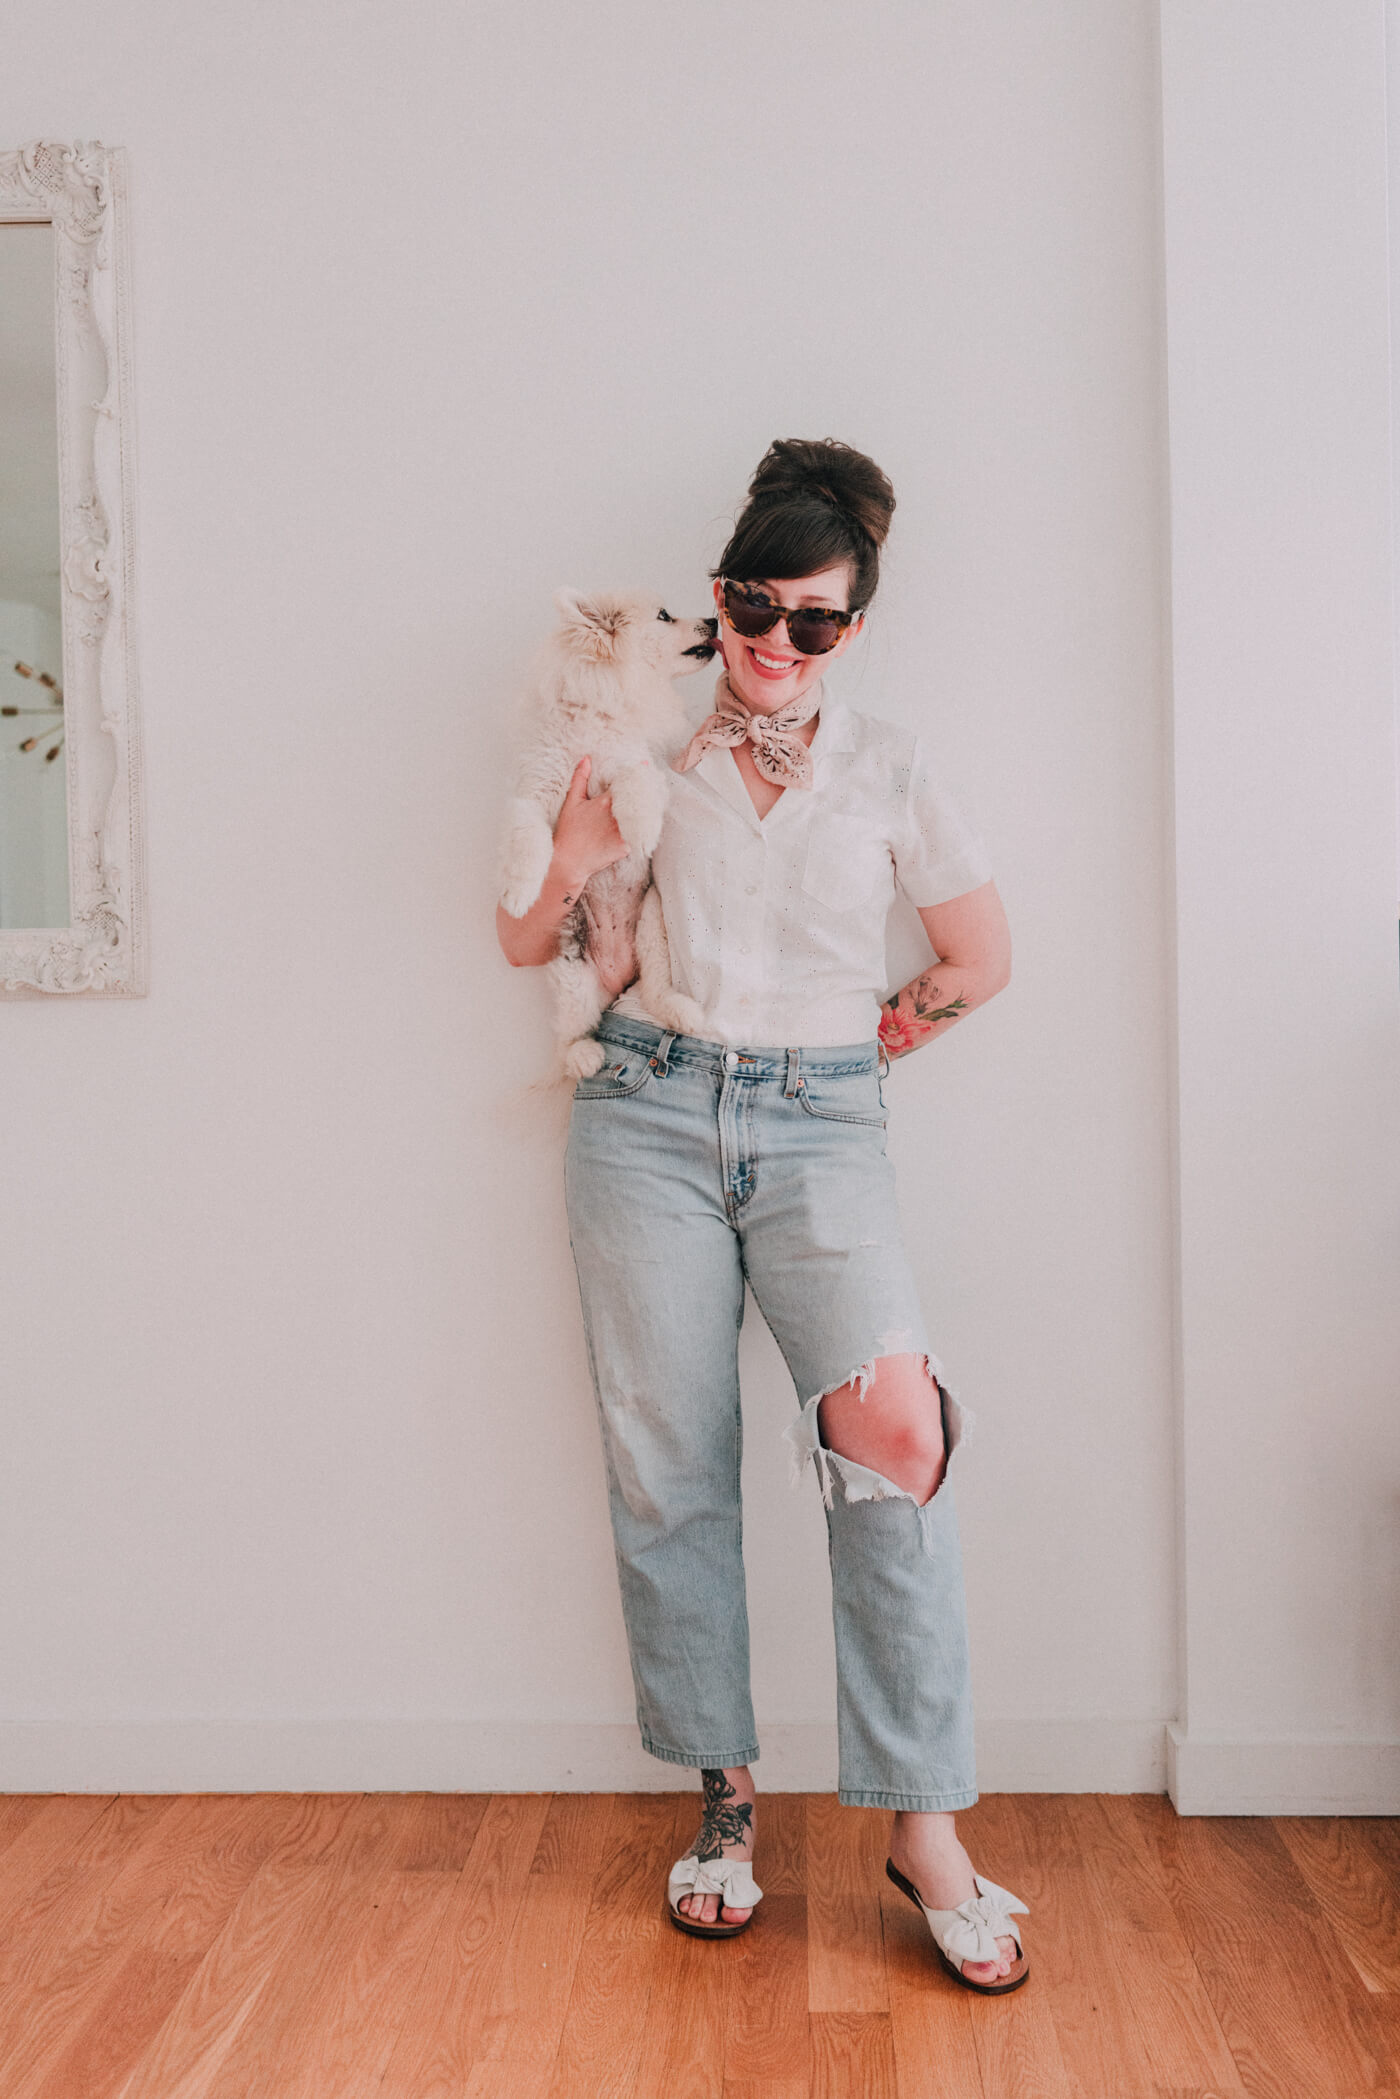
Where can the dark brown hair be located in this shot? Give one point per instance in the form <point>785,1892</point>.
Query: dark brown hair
<point>813,502</point>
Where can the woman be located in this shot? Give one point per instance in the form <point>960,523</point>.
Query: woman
<point>756,1153</point>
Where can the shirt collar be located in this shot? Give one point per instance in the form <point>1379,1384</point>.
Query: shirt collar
<point>835,728</point>
<point>835,731</point>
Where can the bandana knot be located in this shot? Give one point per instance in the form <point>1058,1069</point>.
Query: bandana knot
<point>778,754</point>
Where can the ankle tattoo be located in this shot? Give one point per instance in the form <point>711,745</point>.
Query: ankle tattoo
<point>725,1819</point>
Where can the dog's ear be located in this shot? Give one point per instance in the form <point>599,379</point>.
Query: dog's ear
<point>590,622</point>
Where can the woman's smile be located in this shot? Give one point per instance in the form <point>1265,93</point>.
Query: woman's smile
<point>771,666</point>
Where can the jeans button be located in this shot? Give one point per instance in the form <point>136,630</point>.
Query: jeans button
<point>730,1060</point>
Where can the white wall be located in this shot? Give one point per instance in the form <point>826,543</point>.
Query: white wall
<point>1284,792</point>
<point>435,309</point>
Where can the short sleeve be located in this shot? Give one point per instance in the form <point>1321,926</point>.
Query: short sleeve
<point>938,853</point>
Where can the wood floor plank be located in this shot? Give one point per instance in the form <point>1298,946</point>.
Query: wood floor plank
<point>227,1947</point>
<point>16,1810</point>
<point>440,2037</point>
<point>1351,1870</point>
<point>682,2055</point>
<point>529,2000</point>
<point>221,2001</point>
<point>768,2036</point>
<point>1129,1887</point>
<point>601,2045</point>
<point>1100,2043</point>
<point>1130,1915</point>
<point>1018,2050</point>
<point>42,1847</point>
<point>334,2038</point>
<point>1280,1985</point>
<point>333,1901</point>
<point>66,1909</point>
<point>852,2055</point>
<point>846,1852</point>
<point>935,2051</point>
<point>103,2002</point>
<point>69,1931</point>
<point>441,1836</point>
<point>768,2087</point>
<point>234,1835</point>
<point>780,1855</point>
<point>1375,2023</point>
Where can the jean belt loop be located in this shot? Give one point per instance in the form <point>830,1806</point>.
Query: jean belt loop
<point>663,1051</point>
<point>884,1060</point>
<point>794,1073</point>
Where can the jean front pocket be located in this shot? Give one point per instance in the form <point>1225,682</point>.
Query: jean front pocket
<point>625,1073</point>
<point>845,1096</point>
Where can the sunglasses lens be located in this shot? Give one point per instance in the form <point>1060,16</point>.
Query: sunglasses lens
<point>813,632</point>
<point>748,616</point>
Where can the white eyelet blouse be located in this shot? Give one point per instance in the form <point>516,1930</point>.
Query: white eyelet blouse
<point>777,925</point>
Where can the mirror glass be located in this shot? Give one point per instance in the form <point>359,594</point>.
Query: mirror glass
<point>33,771</point>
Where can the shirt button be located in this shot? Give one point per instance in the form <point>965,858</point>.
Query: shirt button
<point>752,889</point>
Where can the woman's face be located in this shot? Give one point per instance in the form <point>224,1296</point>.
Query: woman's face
<point>770,673</point>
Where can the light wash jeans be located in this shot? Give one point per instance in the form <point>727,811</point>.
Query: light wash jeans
<point>690,1168</point>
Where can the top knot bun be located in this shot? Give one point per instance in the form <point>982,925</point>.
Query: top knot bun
<point>834,473</point>
<point>814,505</point>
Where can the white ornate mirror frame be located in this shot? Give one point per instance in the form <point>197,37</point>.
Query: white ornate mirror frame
<point>81,191</point>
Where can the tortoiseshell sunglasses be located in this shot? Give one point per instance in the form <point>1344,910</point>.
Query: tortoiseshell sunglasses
<point>812,629</point>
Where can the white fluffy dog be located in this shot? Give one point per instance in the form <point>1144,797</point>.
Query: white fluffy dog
<point>603,688</point>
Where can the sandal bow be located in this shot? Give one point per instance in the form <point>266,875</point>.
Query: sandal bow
<point>728,1878</point>
<point>973,1928</point>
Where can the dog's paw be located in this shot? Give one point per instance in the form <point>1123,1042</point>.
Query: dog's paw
<point>639,808</point>
<point>517,897</point>
<point>674,1010</point>
<point>583,1058</point>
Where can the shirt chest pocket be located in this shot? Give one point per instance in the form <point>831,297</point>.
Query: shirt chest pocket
<point>846,863</point>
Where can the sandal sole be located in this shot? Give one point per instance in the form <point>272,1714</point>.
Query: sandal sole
<point>1021,1971</point>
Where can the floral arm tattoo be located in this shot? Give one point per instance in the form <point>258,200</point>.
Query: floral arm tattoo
<point>721,1824</point>
<point>914,1014</point>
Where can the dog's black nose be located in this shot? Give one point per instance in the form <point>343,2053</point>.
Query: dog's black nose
<point>711,627</point>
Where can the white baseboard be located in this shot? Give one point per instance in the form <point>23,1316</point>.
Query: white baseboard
<point>1321,1775</point>
<point>1205,1775</point>
<point>1071,1755</point>
<point>522,1756</point>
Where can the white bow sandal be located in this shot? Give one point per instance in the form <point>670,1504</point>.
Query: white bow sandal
<point>970,1932</point>
<point>729,1878</point>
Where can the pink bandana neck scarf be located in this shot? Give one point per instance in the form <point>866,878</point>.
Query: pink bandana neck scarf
<point>779,755</point>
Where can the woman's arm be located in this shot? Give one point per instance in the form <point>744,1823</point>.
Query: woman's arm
<point>586,839</point>
<point>973,941</point>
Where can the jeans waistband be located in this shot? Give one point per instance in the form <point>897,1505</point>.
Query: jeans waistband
<point>754,1061</point>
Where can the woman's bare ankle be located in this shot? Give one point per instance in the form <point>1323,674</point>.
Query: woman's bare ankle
<point>726,1831</point>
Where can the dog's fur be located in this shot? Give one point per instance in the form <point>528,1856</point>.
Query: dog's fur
<point>603,689</point>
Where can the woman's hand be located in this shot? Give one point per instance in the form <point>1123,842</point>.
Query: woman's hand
<point>586,840</point>
<point>586,837</point>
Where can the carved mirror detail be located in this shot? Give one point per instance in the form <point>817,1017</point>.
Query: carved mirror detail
<point>71,864</point>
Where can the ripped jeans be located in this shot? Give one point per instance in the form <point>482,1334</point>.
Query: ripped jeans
<point>690,1169</point>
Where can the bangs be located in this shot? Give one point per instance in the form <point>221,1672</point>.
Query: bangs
<point>785,539</point>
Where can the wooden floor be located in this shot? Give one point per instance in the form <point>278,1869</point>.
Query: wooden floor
<point>425,1946</point>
